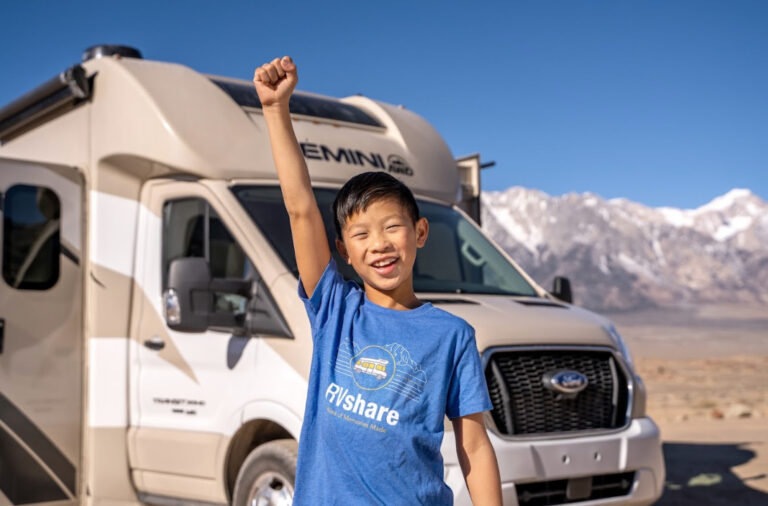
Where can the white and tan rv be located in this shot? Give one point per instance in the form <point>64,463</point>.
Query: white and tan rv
<point>153,349</point>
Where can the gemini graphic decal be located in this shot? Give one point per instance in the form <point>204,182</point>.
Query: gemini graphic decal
<point>387,367</point>
<point>395,163</point>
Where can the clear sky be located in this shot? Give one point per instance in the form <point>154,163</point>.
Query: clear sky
<point>664,102</point>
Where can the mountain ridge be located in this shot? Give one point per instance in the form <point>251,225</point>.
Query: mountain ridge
<point>623,255</point>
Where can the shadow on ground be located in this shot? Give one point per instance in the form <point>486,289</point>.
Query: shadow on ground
<point>701,474</point>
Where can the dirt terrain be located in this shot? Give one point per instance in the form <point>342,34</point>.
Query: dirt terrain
<point>706,371</point>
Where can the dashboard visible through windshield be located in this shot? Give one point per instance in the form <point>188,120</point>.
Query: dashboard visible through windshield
<point>457,258</point>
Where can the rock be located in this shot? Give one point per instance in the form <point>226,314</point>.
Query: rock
<point>716,413</point>
<point>738,410</point>
<point>682,417</point>
<point>705,480</point>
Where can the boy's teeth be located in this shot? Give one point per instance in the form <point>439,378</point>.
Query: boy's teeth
<point>384,262</point>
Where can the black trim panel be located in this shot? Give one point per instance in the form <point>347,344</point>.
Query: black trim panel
<point>22,479</point>
<point>38,442</point>
<point>69,254</point>
<point>54,97</point>
<point>308,105</point>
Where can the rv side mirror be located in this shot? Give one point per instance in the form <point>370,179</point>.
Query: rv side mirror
<point>188,300</point>
<point>191,298</point>
<point>561,288</point>
<point>195,303</point>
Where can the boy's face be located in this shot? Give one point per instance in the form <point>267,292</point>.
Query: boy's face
<point>380,243</point>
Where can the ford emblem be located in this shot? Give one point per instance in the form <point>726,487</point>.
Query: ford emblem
<point>568,383</point>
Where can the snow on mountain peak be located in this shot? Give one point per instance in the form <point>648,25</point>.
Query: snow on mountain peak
<point>726,201</point>
<point>733,227</point>
<point>590,201</point>
<point>676,217</point>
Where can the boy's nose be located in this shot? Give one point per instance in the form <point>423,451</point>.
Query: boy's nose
<point>380,242</point>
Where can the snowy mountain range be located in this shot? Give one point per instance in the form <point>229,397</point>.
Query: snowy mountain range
<point>621,255</point>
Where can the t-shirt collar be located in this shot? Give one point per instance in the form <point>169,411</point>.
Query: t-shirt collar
<point>407,313</point>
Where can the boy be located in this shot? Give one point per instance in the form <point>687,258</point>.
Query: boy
<point>386,367</point>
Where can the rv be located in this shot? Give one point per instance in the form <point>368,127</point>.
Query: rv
<point>153,349</point>
<point>376,367</point>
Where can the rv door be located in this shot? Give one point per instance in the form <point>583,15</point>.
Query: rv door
<point>188,386</point>
<point>40,332</point>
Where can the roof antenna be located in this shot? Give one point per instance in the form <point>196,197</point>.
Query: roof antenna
<point>110,50</point>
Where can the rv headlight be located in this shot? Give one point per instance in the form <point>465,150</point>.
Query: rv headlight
<point>620,344</point>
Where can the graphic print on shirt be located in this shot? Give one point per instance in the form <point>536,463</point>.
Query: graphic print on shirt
<point>375,367</point>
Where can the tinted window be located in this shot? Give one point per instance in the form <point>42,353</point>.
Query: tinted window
<point>245,95</point>
<point>457,258</point>
<point>191,228</point>
<point>31,247</point>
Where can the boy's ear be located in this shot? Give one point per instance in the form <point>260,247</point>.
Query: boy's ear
<point>422,231</point>
<point>342,250</point>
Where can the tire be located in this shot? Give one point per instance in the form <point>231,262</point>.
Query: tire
<point>267,475</point>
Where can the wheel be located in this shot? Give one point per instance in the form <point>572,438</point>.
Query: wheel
<point>266,477</point>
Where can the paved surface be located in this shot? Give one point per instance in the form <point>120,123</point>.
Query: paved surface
<point>716,462</point>
<point>704,367</point>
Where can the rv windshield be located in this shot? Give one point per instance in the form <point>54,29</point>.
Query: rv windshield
<point>457,258</point>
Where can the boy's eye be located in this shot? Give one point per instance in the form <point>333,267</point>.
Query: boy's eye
<point>359,234</point>
<point>392,226</point>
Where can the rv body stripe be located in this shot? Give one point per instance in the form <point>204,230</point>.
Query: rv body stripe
<point>108,360</point>
<point>113,232</point>
<point>18,423</point>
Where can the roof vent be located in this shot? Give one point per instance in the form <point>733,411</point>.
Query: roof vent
<point>109,50</point>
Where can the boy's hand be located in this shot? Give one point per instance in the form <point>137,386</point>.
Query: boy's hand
<point>275,81</point>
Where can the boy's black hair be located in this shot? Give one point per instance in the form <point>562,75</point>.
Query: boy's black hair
<point>364,189</point>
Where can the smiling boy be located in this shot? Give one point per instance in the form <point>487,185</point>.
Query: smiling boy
<point>386,367</point>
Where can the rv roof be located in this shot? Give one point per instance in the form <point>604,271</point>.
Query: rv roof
<point>170,118</point>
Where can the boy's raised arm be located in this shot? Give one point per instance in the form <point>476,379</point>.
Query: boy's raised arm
<point>274,82</point>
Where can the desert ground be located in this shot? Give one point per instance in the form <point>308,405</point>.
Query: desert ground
<point>706,372</point>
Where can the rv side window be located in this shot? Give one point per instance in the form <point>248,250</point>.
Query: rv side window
<point>191,228</point>
<point>31,216</point>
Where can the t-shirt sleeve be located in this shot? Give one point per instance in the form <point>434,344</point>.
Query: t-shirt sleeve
<point>328,297</point>
<point>468,391</point>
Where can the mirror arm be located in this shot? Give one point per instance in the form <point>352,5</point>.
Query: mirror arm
<point>226,321</point>
<point>231,286</point>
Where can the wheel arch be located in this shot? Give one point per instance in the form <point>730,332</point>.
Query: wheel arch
<point>275,422</point>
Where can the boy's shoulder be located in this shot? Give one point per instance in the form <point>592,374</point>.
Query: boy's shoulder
<point>452,321</point>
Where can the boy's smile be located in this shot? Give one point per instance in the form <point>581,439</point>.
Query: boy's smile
<point>380,243</point>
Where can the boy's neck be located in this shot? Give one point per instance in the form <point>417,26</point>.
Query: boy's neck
<point>401,298</point>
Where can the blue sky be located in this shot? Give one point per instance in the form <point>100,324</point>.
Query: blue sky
<point>662,102</point>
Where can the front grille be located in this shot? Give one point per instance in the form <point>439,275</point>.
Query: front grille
<point>523,406</point>
<point>602,486</point>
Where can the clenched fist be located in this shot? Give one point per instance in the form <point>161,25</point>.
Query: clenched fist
<point>275,81</point>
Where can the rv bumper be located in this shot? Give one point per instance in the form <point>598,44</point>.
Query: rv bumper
<point>634,452</point>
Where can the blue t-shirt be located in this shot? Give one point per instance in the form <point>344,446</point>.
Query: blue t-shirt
<point>381,382</point>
